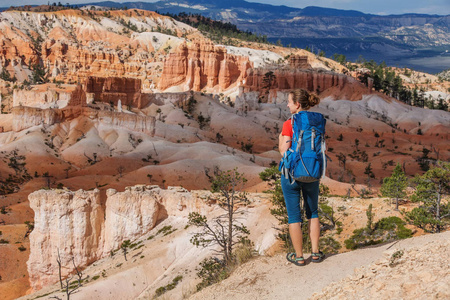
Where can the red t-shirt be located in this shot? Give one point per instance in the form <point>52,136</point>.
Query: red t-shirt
<point>287,128</point>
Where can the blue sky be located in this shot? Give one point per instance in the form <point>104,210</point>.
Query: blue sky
<point>441,7</point>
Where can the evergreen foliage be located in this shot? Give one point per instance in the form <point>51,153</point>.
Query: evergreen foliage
<point>395,185</point>
<point>38,74</point>
<point>5,75</point>
<point>433,214</point>
<point>124,246</point>
<point>218,31</point>
<point>340,58</point>
<point>386,81</point>
<point>225,230</point>
<point>385,230</point>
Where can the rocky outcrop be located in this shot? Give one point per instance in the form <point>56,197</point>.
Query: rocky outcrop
<point>312,80</point>
<point>293,78</point>
<point>68,223</point>
<point>113,89</point>
<point>131,121</point>
<point>129,215</point>
<point>83,228</point>
<point>202,65</point>
<point>48,96</point>
<point>299,62</point>
<point>26,117</point>
<point>72,45</point>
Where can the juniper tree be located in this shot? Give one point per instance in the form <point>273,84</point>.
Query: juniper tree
<point>224,230</point>
<point>124,246</point>
<point>368,171</point>
<point>395,185</point>
<point>433,214</point>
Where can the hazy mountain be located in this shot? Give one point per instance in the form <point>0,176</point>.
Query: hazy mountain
<point>397,39</point>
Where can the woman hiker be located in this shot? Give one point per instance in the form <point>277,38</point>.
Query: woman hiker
<point>300,100</point>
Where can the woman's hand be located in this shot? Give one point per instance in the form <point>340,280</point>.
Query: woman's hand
<point>284,143</point>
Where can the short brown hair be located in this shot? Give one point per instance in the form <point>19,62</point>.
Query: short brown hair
<point>305,98</point>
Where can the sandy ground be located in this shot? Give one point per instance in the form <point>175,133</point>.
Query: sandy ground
<point>275,278</point>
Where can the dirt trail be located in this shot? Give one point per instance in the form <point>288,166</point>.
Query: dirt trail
<point>274,278</point>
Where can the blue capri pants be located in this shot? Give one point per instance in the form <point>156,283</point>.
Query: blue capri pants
<point>291,193</point>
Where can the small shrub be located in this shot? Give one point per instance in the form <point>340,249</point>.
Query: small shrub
<point>161,290</point>
<point>22,248</point>
<point>244,252</point>
<point>166,230</point>
<point>211,271</point>
<point>385,230</point>
<point>395,257</point>
<point>329,245</point>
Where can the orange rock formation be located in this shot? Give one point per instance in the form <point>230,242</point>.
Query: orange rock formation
<point>203,65</point>
<point>311,80</point>
<point>299,62</point>
<point>113,89</point>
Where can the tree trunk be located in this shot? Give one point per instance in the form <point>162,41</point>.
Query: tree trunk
<point>230,230</point>
<point>438,207</point>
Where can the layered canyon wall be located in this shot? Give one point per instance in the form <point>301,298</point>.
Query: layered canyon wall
<point>203,65</point>
<point>67,225</point>
<point>113,89</point>
<point>291,78</point>
<point>72,45</point>
<point>26,117</point>
<point>50,98</point>
<point>84,227</point>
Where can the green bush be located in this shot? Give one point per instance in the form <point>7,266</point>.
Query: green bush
<point>385,230</point>
<point>329,245</point>
<point>161,290</point>
<point>433,214</point>
<point>211,271</point>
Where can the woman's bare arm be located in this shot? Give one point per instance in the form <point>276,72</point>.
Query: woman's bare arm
<point>284,142</point>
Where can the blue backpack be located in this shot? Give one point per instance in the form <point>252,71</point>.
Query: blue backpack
<point>305,160</point>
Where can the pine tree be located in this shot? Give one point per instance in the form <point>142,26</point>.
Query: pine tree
<point>225,230</point>
<point>433,214</point>
<point>395,185</point>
